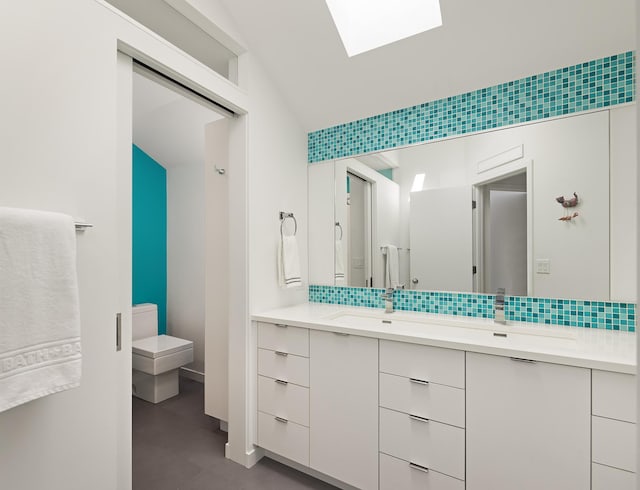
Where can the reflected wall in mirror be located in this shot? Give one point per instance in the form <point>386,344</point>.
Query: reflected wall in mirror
<point>487,203</point>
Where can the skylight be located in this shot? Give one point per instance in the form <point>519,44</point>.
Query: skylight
<point>364,25</point>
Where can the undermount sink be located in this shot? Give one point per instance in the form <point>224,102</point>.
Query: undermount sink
<point>464,329</point>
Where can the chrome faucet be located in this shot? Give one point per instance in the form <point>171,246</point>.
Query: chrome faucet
<point>387,296</point>
<point>498,307</point>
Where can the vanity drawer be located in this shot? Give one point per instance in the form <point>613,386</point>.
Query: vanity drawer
<point>284,400</point>
<point>614,395</point>
<point>613,443</point>
<point>426,363</point>
<point>287,439</point>
<point>430,444</point>
<point>286,367</point>
<point>432,401</point>
<point>282,338</point>
<point>396,473</point>
<point>607,478</point>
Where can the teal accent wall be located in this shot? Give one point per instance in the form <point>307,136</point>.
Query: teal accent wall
<point>387,172</point>
<point>150,234</point>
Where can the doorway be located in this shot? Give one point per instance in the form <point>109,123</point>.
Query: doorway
<point>359,231</point>
<point>502,234</point>
<point>186,141</point>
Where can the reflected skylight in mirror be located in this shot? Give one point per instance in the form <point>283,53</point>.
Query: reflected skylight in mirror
<point>418,183</point>
<point>364,25</point>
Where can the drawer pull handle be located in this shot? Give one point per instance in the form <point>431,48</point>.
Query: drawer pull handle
<point>418,381</point>
<point>282,420</point>
<point>520,359</point>
<point>281,325</point>
<point>282,382</point>
<point>280,353</point>
<point>418,418</point>
<point>342,334</point>
<point>418,467</point>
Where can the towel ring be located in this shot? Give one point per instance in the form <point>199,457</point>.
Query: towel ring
<point>283,218</point>
<point>340,228</point>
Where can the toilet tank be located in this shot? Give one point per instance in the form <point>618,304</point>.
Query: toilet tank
<point>145,321</point>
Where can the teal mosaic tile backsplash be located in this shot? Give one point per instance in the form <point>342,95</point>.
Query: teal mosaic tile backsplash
<point>568,312</point>
<point>585,86</point>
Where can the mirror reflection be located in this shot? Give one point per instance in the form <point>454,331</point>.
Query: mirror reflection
<point>490,210</point>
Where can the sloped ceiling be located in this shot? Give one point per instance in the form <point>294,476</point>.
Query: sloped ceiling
<point>481,43</point>
<point>168,126</point>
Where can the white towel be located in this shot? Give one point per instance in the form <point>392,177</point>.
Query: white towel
<point>289,263</point>
<point>339,266</point>
<point>392,279</point>
<point>39,311</point>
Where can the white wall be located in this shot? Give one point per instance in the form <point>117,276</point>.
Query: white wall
<point>186,254</point>
<point>321,182</point>
<point>60,151</point>
<point>624,198</point>
<point>278,182</point>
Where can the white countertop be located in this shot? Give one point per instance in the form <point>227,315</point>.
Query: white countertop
<point>575,346</point>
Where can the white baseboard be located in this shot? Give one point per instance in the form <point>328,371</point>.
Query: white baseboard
<point>250,457</point>
<point>192,374</point>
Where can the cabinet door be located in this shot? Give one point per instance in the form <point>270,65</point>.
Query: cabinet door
<point>528,425</point>
<point>344,408</point>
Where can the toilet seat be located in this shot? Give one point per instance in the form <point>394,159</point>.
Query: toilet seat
<point>160,345</point>
<point>161,353</point>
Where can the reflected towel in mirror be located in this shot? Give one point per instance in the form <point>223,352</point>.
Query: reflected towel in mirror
<point>339,266</point>
<point>392,269</point>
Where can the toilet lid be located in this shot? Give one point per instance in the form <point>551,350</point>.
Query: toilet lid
<point>160,345</point>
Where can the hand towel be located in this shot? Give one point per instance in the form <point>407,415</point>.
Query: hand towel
<point>289,263</point>
<point>392,279</point>
<point>339,265</point>
<point>39,307</point>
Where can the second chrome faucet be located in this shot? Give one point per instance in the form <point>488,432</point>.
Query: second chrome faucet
<point>387,296</point>
<point>498,307</point>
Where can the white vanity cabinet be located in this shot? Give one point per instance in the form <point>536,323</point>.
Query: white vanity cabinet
<point>422,417</point>
<point>283,391</point>
<point>528,424</point>
<point>344,408</point>
<point>613,426</point>
<point>379,414</point>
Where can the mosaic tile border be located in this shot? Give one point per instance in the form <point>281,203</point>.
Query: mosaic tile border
<point>591,85</point>
<point>551,311</point>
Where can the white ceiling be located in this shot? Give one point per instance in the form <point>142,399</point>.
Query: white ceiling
<point>168,126</point>
<point>481,43</point>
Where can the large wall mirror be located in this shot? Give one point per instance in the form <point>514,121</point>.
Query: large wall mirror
<point>478,212</point>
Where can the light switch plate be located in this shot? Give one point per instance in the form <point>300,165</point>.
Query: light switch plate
<point>543,266</point>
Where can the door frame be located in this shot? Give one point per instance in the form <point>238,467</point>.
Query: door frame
<point>240,444</point>
<point>480,186</point>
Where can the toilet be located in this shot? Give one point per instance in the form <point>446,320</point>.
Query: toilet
<point>156,359</point>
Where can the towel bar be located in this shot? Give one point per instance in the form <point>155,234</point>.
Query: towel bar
<point>383,249</point>
<point>283,218</point>
<point>81,226</point>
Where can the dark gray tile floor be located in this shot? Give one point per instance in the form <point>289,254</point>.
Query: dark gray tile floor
<point>177,447</point>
